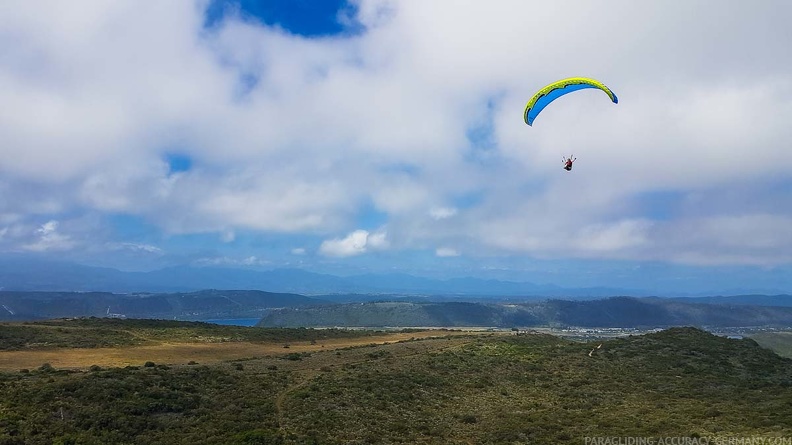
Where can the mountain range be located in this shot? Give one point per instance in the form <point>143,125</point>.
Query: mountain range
<point>25,274</point>
<point>206,304</point>
<point>617,312</point>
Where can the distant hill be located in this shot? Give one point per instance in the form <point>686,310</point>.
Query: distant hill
<point>295,310</point>
<point>753,299</point>
<point>611,312</point>
<point>29,275</point>
<point>194,305</point>
<point>23,274</point>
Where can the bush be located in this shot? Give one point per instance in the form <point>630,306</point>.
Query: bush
<point>468,418</point>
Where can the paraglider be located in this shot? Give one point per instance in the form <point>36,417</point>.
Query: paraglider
<point>557,89</point>
<point>551,92</point>
<point>568,163</point>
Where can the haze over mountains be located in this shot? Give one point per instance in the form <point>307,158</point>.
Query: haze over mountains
<point>201,305</point>
<point>293,297</point>
<point>60,276</point>
<point>294,310</point>
<point>34,275</point>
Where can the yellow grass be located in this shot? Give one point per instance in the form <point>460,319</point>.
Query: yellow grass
<point>174,353</point>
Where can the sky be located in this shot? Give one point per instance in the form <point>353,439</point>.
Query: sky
<point>363,136</point>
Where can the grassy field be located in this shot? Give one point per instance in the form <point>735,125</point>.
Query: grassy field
<point>106,332</point>
<point>81,343</point>
<point>779,342</point>
<point>455,388</point>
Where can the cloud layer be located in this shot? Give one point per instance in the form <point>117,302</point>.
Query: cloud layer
<point>417,117</point>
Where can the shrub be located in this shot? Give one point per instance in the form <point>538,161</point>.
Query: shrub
<point>468,418</point>
<point>46,367</point>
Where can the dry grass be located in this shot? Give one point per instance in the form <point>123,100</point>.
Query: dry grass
<point>184,352</point>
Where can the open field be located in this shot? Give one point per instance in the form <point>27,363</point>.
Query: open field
<point>175,353</point>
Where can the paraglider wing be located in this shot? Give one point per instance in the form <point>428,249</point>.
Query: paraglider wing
<point>557,89</point>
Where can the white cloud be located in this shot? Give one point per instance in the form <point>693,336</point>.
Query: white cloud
<point>753,239</point>
<point>446,252</point>
<point>48,238</point>
<point>622,235</point>
<point>92,104</point>
<point>442,212</point>
<point>356,243</point>
<point>227,236</point>
<point>298,251</point>
<point>353,244</point>
<point>232,261</point>
<point>377,241</point>
<point>136,247</point>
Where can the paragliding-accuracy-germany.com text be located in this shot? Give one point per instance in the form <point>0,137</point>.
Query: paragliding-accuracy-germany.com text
<point>703,440</point>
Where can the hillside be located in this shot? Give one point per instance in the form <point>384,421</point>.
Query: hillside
<point>206,303</point>
<point>610,312</point>
<point>779,342</point>
<point>784,300</point>
<point>494,389</point>
<point>19,273</point>
<point>82,333</point>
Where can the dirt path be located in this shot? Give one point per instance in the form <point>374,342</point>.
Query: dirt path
<point>182,353</point>
<point>307,370</point>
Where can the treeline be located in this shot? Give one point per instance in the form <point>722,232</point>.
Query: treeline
<point>610,312</point>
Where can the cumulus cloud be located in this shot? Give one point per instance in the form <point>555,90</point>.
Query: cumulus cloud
<point>352,244</point>
<point>47,238</point>
<point>356,243</point>
<point>423,107</point>
<point>756,239</point>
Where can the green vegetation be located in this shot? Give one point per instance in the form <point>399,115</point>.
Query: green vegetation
<point>617,312</point>
<point>489,389</point>
<point>154,404</point>
<point>778,342</point>
<point>95,332</point>
<point>15,336</point>
<point>201,304</point>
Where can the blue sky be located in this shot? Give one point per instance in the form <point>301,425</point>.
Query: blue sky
<point>387,136</point>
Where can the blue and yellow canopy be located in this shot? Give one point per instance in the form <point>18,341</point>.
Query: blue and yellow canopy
<point>557,89</point>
